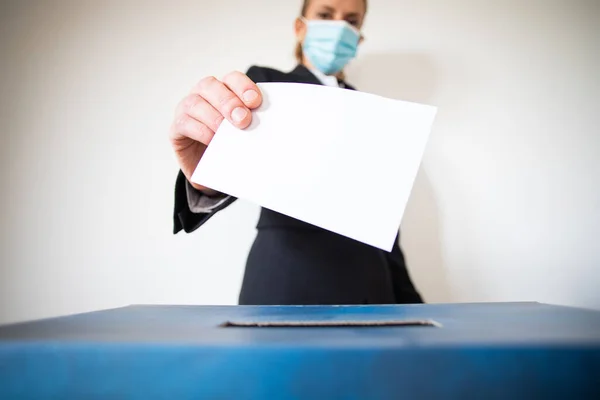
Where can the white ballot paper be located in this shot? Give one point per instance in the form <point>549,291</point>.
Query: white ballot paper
<point>339,159</point>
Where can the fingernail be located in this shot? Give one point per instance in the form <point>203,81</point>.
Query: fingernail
<point>238,114</point>
<point>250,95</point>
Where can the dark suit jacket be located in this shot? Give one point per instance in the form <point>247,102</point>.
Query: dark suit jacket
<point>292,262</point>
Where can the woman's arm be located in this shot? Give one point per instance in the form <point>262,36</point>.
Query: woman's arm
<point>197,118</point>
<point>192,207</point>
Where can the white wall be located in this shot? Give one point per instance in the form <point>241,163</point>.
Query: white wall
<point>506,206</point>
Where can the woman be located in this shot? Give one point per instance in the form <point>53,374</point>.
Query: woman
<point>291,262</point>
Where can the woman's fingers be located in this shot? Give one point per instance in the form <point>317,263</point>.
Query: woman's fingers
<point>244,88</point>
<point>199,115</point>
<point>203,111</point>
<point>187,127</point>
<point>224,101</point>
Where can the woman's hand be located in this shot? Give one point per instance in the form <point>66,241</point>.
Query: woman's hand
<point>200,113</point>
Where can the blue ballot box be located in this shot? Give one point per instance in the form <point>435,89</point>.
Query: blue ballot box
<point>462,351</point>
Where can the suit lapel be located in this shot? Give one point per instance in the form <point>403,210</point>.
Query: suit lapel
<point>303,75</point>
<point>346,86</point>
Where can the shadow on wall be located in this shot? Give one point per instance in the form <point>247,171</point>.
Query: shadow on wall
<point>411,77</point>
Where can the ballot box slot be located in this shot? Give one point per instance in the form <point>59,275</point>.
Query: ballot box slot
<point>329,324</point>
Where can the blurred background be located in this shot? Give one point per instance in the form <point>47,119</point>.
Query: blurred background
<point>506,206</point>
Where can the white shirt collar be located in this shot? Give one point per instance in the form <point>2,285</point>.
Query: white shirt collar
<point>327,80</point>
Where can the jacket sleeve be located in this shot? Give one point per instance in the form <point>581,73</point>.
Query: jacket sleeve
<point>183,217</point>
<point>404,289</point>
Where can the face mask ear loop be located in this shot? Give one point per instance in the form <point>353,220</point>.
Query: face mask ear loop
<point>305,21</point>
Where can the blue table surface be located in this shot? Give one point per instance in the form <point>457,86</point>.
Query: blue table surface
<point>487,351</point>
<point>489,324</point>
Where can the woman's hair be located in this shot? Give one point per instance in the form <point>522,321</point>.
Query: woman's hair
<point>299,55</point>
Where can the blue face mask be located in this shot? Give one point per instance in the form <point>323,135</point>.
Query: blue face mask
<point>330,45</point>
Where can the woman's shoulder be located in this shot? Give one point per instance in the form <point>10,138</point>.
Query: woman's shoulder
<point>265,74</point>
